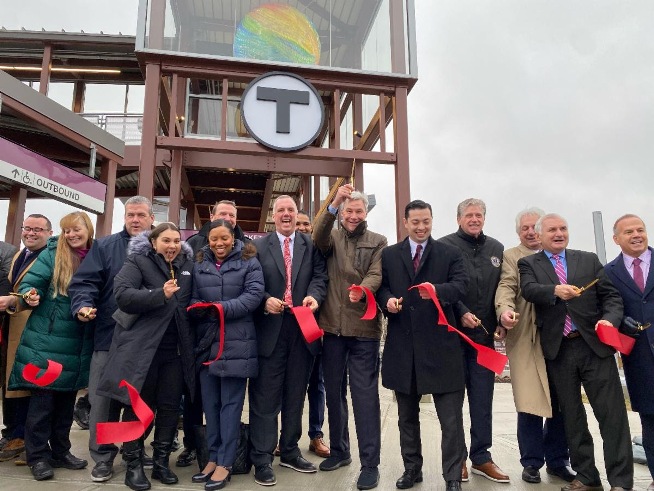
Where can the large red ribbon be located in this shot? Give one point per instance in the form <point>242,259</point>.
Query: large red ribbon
<point>371,305</point>
<point>614,338</point>
<point>30,373</point>
<point>126,431</point>
<point>307,322</point>
<point>221,316</point>
<point>486,357</point>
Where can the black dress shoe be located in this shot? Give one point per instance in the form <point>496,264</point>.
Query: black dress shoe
<point>409,477</point>
<point>531,474</point>
<point>453,486</point>
<point>68,461</point>
<point>42,471</point>
<point>202,477</point>
<point>264,475</point>
<point>564,472</point>
<point>212,485</point>
<point>299,464</point>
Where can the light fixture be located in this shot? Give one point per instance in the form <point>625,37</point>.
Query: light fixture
<point>61,69</point>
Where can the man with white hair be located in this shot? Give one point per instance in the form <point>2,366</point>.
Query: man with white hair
<point>534,400</point>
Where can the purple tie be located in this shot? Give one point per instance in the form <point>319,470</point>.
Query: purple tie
<point>560,272</point>
<point>638,275</point>
<point>416,258</point>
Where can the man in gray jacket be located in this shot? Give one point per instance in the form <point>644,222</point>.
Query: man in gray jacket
<point>351,345</point>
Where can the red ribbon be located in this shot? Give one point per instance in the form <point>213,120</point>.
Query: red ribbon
<point>126,431</point>
<point>30,373</point>
<point>371,305</point>
<point>221,316</point>
<point>486,357</point>
<point>307,322</point>
<point>614,338</point>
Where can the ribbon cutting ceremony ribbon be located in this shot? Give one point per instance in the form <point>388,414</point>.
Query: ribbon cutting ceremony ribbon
<point>611,336</point>
<point>30,373</point>
<point>371,305</point>
<point>221,331</point>
<point>307,322</point>
<point>126,431</point>
<point>486,357</point>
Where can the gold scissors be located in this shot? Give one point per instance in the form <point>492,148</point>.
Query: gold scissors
<point>479,324</point>
<point>584,288</point>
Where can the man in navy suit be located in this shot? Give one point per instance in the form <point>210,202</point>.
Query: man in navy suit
<point>285,358</point>
<point>631,274</point>
<point>567,318</point>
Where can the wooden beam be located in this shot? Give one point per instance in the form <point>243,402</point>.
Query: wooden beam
<point>15,214</point>
<point>105,220</point>
<point>265,206</point>
<point>46,65</point>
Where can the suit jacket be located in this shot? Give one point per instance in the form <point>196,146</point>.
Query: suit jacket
<point>414,338</point>
<point>601,301</point>
<point>309,277</point>
<point>639,364</point>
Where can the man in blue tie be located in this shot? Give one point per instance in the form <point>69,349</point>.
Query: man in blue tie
<point>631,274</point>
<point>570,304</point>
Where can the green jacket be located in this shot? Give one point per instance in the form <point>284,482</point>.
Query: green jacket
<point>51,332</point>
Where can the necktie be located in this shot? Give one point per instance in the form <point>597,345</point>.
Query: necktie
<point>638,275</point>
<point>416,258</point>
<point>288,296</point>
<point>560,272</point>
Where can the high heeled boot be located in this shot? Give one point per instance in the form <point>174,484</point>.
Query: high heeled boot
<point>162,445</point>
<point>134,476</point>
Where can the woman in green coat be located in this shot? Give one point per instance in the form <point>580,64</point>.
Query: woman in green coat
<point>53,334</point>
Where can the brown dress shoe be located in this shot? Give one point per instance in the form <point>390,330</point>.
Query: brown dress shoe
<point>12,449</point>
<point>577,485</point>
<point>490,471</point>
<point>318,447</point>
<point>464,472</point>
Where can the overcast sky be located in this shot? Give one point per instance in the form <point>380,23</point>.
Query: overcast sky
<point>520,103</point>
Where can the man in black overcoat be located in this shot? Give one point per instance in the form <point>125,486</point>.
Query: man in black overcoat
<point>285,358</point>
<point>421,357</point>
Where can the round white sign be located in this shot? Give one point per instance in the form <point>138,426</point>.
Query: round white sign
<point>282,111</point>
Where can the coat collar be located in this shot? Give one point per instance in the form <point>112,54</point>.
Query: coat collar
<point>299,248</point>
<point>620,271</point>
<point>407,260</point>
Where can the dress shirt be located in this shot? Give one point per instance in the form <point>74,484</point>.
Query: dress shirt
<point>414,246</point>
<point>645,257</point>
<point>282,237</point>
<point>565,268</point>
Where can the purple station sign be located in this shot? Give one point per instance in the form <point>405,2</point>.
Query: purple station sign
<point>46,177</point>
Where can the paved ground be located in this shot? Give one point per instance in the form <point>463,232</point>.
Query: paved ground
<point>505,453</point>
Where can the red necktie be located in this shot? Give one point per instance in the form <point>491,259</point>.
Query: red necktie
<point>288,296</point>
<point>638,275</point>
<point>560,272</point>
<point>416,258</point>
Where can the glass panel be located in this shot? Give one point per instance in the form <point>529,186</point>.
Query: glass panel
<point>203,118</point>
<point>340,34</point>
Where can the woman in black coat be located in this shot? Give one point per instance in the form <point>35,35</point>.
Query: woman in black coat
<point>227,271</point>
<point>152,345</point>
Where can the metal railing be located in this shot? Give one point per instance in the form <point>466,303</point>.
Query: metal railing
<point>127,127</point>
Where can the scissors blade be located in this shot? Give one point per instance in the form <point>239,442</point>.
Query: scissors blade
<point>584,288</point>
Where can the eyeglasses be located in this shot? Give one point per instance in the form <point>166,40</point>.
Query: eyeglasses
<point>36,230</point>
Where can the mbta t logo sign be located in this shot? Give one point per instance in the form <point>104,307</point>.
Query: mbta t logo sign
<point>282,111</point>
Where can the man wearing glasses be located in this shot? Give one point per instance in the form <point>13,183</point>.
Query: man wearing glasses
<point>36,231</point>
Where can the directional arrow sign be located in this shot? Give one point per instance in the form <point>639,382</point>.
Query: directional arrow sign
<point>49,178</point>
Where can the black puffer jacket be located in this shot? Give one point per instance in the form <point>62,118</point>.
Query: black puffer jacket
<point>144,315</point>
<point>238,285</point>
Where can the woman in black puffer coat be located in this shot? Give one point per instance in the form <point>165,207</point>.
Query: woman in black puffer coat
<point>226,271</point>
<point>152,344</point>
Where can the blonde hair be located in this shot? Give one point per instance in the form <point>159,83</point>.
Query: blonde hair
<point>66,259</point>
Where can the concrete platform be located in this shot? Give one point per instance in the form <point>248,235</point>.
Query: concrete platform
<point>505,454</point>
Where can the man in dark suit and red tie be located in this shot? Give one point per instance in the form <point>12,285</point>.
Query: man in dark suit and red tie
<point>420,356</point>
<point>560,282</point>
<point>295,275</point>
<point>631,274</point>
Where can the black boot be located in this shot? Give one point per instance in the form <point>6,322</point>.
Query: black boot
<point>134,476</point>
<point>162,445</point>
<point>201,447</point>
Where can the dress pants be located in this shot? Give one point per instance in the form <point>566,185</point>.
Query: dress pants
<point>647,422</point>
<point>316,396</point>
<point>49,418</point>
<point>102,410</point>
<point>14,414</point>
<point>223,404</point>
<point>359,358</point>
<point>480,384</point>
<point>540,443</point>
<point>575,365</point>
<point>449,408</point>
<point>283,376</point>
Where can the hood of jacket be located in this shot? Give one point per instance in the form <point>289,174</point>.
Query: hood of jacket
<point>140,245</point>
